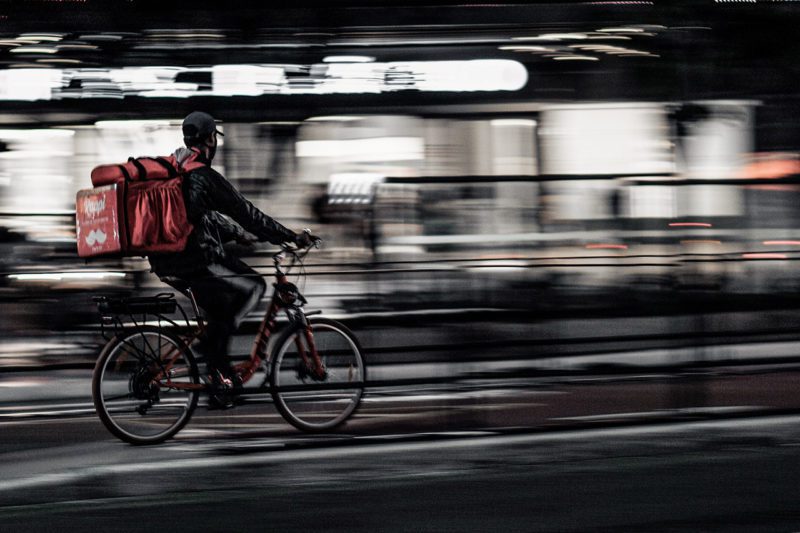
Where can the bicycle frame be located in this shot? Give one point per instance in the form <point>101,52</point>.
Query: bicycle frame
<point>145,384</point>
<point>283,298</point>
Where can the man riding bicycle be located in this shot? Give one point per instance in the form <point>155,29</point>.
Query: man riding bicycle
<point>224,287</point>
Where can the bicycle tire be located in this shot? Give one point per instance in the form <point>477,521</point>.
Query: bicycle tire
<point>127,421</point>
<point>319,406</point>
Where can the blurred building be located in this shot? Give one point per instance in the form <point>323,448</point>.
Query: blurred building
<point>586,150</point>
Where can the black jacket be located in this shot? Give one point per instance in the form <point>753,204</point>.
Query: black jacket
<point>209,196</point>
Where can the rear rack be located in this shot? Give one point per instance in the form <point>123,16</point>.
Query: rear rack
<point>112,309</point>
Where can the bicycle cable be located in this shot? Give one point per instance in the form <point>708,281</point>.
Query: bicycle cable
<point>302,277</point>
<point>297,259</point>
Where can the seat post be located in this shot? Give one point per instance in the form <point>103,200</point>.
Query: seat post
<point>194,303</point>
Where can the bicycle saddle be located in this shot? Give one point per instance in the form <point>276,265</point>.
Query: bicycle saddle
<point>180,284</point>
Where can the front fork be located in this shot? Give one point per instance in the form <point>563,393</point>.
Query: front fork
<point>310,357</point>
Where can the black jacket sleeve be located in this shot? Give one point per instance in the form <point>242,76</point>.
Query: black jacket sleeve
<point>223,197</point>
<point>227,229</point>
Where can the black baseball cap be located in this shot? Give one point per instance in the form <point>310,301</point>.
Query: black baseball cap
<point>198,126</point>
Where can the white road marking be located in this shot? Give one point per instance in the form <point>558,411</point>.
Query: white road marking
<point>50,413</point>
<point>379,397</point>
<point>664,413</point>
<point>14,408</point>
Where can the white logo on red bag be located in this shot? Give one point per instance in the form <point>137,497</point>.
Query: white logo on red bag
<point>96,236</point>
<point>94,207</point>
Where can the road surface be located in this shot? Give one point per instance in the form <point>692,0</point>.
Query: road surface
<point>572,457</point>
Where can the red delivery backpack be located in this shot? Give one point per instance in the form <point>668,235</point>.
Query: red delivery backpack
<point>135,208</point>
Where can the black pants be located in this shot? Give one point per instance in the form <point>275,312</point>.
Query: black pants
<point>226,292</point>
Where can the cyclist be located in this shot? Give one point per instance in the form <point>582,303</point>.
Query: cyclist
<point>225,287</point>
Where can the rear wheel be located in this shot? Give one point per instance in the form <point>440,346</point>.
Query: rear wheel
<point>137,386</point>
<point>309,402</point>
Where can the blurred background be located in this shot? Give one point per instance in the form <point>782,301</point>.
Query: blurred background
<point>547,189</point>
<point>538,218</point>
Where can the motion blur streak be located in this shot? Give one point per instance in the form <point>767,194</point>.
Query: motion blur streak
<point>426,213</point>
<point>333,76</point>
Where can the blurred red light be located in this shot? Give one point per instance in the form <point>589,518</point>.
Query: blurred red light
<point>764,256</point>
<point>689,225</point>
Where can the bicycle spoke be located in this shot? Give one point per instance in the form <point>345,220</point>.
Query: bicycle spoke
<point>132,401</point>
<point>306,400</point>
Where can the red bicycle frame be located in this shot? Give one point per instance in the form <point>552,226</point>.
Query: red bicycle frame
<point>283,297</point>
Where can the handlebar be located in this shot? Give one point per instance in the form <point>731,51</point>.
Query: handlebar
<point>297,253</point>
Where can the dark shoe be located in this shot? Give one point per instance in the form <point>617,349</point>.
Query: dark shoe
<point>218,402</point>
<point>223,402</point>
<point>224,391</point>
<point>219,390</point>
<point>235,393</point>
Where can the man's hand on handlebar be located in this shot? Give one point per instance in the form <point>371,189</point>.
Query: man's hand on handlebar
<point>306,239</point>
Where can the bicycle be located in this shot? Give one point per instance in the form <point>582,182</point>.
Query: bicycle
<point>146,382</point>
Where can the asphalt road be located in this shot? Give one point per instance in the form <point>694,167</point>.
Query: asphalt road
<point>731,475</point>
<point>710,449</point>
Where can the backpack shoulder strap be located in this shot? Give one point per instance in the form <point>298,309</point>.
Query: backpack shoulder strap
<point>191,163</point>
<point>171,170</point>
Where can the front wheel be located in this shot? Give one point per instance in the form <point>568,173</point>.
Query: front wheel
<point>145,386</point>
<point>312,402</point>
